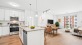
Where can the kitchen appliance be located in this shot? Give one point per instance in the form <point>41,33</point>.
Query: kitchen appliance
<point>14,25</point>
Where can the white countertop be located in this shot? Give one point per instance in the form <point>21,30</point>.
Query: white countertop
<point>29,30</point>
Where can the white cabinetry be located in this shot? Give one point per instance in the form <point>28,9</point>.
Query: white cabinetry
<point>14,13</point>
<point>7,15</point>
<point>21,16</point>
<point>4,31</point>
<point>1,14</point>
<point>0,31</point>
<point>32,36</point>
<point>21,34</point>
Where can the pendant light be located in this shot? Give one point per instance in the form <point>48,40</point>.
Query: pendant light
<point>36,10</point>
<point>30,11</point>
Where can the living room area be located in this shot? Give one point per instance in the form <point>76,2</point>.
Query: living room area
<point>69,31</point>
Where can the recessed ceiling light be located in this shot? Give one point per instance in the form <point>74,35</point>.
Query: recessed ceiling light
<point>14,4</point>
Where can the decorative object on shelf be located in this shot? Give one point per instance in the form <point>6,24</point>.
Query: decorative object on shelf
<point>67,28</point>
<point>32,27</point>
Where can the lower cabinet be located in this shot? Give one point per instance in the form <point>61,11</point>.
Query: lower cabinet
<point>34,37</point>
<point>21,34</point>
<point>4,31</point>
<point>0,31</point>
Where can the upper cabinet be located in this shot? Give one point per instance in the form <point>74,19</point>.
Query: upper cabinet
<point>2,14</point>
<point>7,15</point>
<point>12,13</point>
<point>21,16</point>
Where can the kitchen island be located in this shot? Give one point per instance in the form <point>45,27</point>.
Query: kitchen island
<point>32,36</point>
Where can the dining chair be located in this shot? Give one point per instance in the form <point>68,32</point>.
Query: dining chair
<point>48,29</point>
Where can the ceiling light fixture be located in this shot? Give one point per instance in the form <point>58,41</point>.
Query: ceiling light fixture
<point>46,10</point>
<point>36,9</point>
<point>13,4</point>
<point>30,10</point>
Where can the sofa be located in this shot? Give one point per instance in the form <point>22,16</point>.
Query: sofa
<point>77,31</point>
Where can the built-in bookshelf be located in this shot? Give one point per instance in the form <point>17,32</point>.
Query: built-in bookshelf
<point>70,21</point>
<point>75,22</point>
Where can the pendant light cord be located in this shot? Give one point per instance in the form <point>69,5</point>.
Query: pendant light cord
<point>36,9</point>
<point>36,5</point>
<point>30,9</point>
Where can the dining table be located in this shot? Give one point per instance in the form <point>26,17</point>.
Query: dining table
<point>54,29</point>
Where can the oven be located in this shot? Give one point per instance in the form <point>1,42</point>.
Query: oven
<point>14,27</point>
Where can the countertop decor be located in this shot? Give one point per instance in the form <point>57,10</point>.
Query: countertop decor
<point>32,27</point>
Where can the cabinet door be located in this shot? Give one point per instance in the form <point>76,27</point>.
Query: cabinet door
<point>21,16</point>
<point>21,34</point>
<point>5,31</point>
<point>0,31</point>
<point>16,14</point>
<point>12,13</point>
<point>7,14</point>
<point>1,14</point>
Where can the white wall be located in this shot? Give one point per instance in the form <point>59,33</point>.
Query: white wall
<point>42,21</point>
<point>62,20</point>
<point>79,15</point>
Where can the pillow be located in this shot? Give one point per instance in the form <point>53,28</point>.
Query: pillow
<point>79,28</point>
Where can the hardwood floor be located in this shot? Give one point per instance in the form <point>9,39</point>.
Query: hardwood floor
<point>10,40</point>
<point>61,38</point>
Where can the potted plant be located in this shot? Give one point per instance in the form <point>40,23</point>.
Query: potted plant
<point>57,24</point>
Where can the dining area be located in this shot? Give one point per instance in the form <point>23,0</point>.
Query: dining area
<point>51,29</point>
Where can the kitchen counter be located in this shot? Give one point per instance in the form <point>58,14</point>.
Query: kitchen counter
<point>31,36</point>
<point>29,30</point>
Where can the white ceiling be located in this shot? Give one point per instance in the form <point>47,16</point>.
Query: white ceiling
<point>58,6</point>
